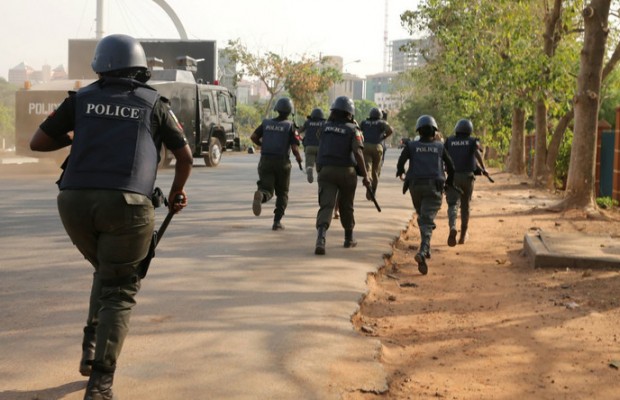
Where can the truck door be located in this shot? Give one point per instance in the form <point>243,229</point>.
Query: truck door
<point>227,116</point>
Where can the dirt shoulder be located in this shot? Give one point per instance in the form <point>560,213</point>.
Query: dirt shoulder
<point>484,324</point>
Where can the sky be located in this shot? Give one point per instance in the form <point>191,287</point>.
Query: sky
<point>37,31</point>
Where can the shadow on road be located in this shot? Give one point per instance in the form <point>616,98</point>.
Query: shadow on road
<point>55,393</point>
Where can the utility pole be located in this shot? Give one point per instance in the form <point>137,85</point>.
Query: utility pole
<point>99,28</point>
<point>386,47</point>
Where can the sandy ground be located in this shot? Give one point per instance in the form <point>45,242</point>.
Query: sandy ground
<point>484,324</point>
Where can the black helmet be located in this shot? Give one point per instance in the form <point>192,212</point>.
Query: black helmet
<point>426,121</point>
<point>375,113</point>
<point>464,126</point>
<point>117,52</point>
<point>343,103</point>
<point>284,105</point>
<point>317,113</point>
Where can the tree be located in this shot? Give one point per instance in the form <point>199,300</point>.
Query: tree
<point>304,80</point>
<point>307,82</point>
<point>580,184</point>
<point>269,69</point>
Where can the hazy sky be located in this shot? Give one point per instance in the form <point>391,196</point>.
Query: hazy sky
<point>37,31</point>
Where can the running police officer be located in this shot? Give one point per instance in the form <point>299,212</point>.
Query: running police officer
<point>375,130</point>
<point>119,124</point>
<point>276,137</point>
<point>340,157</point>
<point>465,151</point>
<point>311,128</point>
<point>426,180</point>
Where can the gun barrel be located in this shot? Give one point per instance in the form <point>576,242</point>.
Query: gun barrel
<point>373,199</point>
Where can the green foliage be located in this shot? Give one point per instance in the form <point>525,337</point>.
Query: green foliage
<point>610,97</point>
<point>7,126</point>
<point>248,118</point>
<point>7,93</point>
<point>606,202</point>
<point>7,113</point>
<point>563,161</point>
<point>306,81</point>
<point>362,109</point>
<point>487,57</point>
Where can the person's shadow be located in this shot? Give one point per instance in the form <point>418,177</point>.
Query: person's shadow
<point>55,393</point>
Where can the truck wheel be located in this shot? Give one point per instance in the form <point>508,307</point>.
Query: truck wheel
<point>212,159</point>
<point>164,162</point>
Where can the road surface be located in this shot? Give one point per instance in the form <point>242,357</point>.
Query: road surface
<point>230,309</point>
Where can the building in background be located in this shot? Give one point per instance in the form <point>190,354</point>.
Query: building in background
<point>23,72</point>
<point>379,84</point>
<point>351,86</point>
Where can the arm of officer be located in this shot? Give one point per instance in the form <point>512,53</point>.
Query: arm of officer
<point>56,131</point>
<point>388,131</point>
<point>402,159</point>
<point>480,161</point>
<point>359,158</point>
<point>41,141</point>
<point>447,161</point>
<point>257,136</point>
<point>182,170</point>
<point>295,150</point>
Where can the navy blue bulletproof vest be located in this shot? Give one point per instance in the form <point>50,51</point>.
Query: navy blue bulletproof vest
<point>425,160</point>
<point>462,150</point>
<point>311,128</point>
<point>113,146</point>
<point>373,130</point>
<point>276,138</point>
<point>335,144</point>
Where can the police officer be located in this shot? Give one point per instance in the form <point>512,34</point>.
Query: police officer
<point>311,128</point>
<point>118,124</point>
<point>375,130</point>
<point>340,151</point>
<point>426,179</point>
<point>465,151</point>
<point>276,137</point>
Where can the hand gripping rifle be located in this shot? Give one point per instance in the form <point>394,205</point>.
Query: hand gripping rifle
<point>485,173</point>
<point>157,235</point>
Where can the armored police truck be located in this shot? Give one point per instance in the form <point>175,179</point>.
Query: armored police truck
<point>205,111</point>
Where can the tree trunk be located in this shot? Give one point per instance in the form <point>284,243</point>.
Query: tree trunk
<point>551,38</point>
<point>516,156</point>
<point>540,172</point>
<point>580,184</point>
<point>556,139</point>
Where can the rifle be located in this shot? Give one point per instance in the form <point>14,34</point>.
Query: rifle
<point>143,268</point>
<point>371,194</point>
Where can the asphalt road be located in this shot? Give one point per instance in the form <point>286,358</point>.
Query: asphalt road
<point>230,309</point>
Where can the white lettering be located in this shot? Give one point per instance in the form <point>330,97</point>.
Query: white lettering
<point>335,129</point>
<point>42,108</point>
<point>426,150</point>
<point>110,110</point>
<point>277,128</point>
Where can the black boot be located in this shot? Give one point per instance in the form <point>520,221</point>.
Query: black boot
<point>320,240</point>
<point>99,386</point>
<point>464,236</point>
<point>349,241</point>
<point>88,351</point>
<point>277,224</point>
